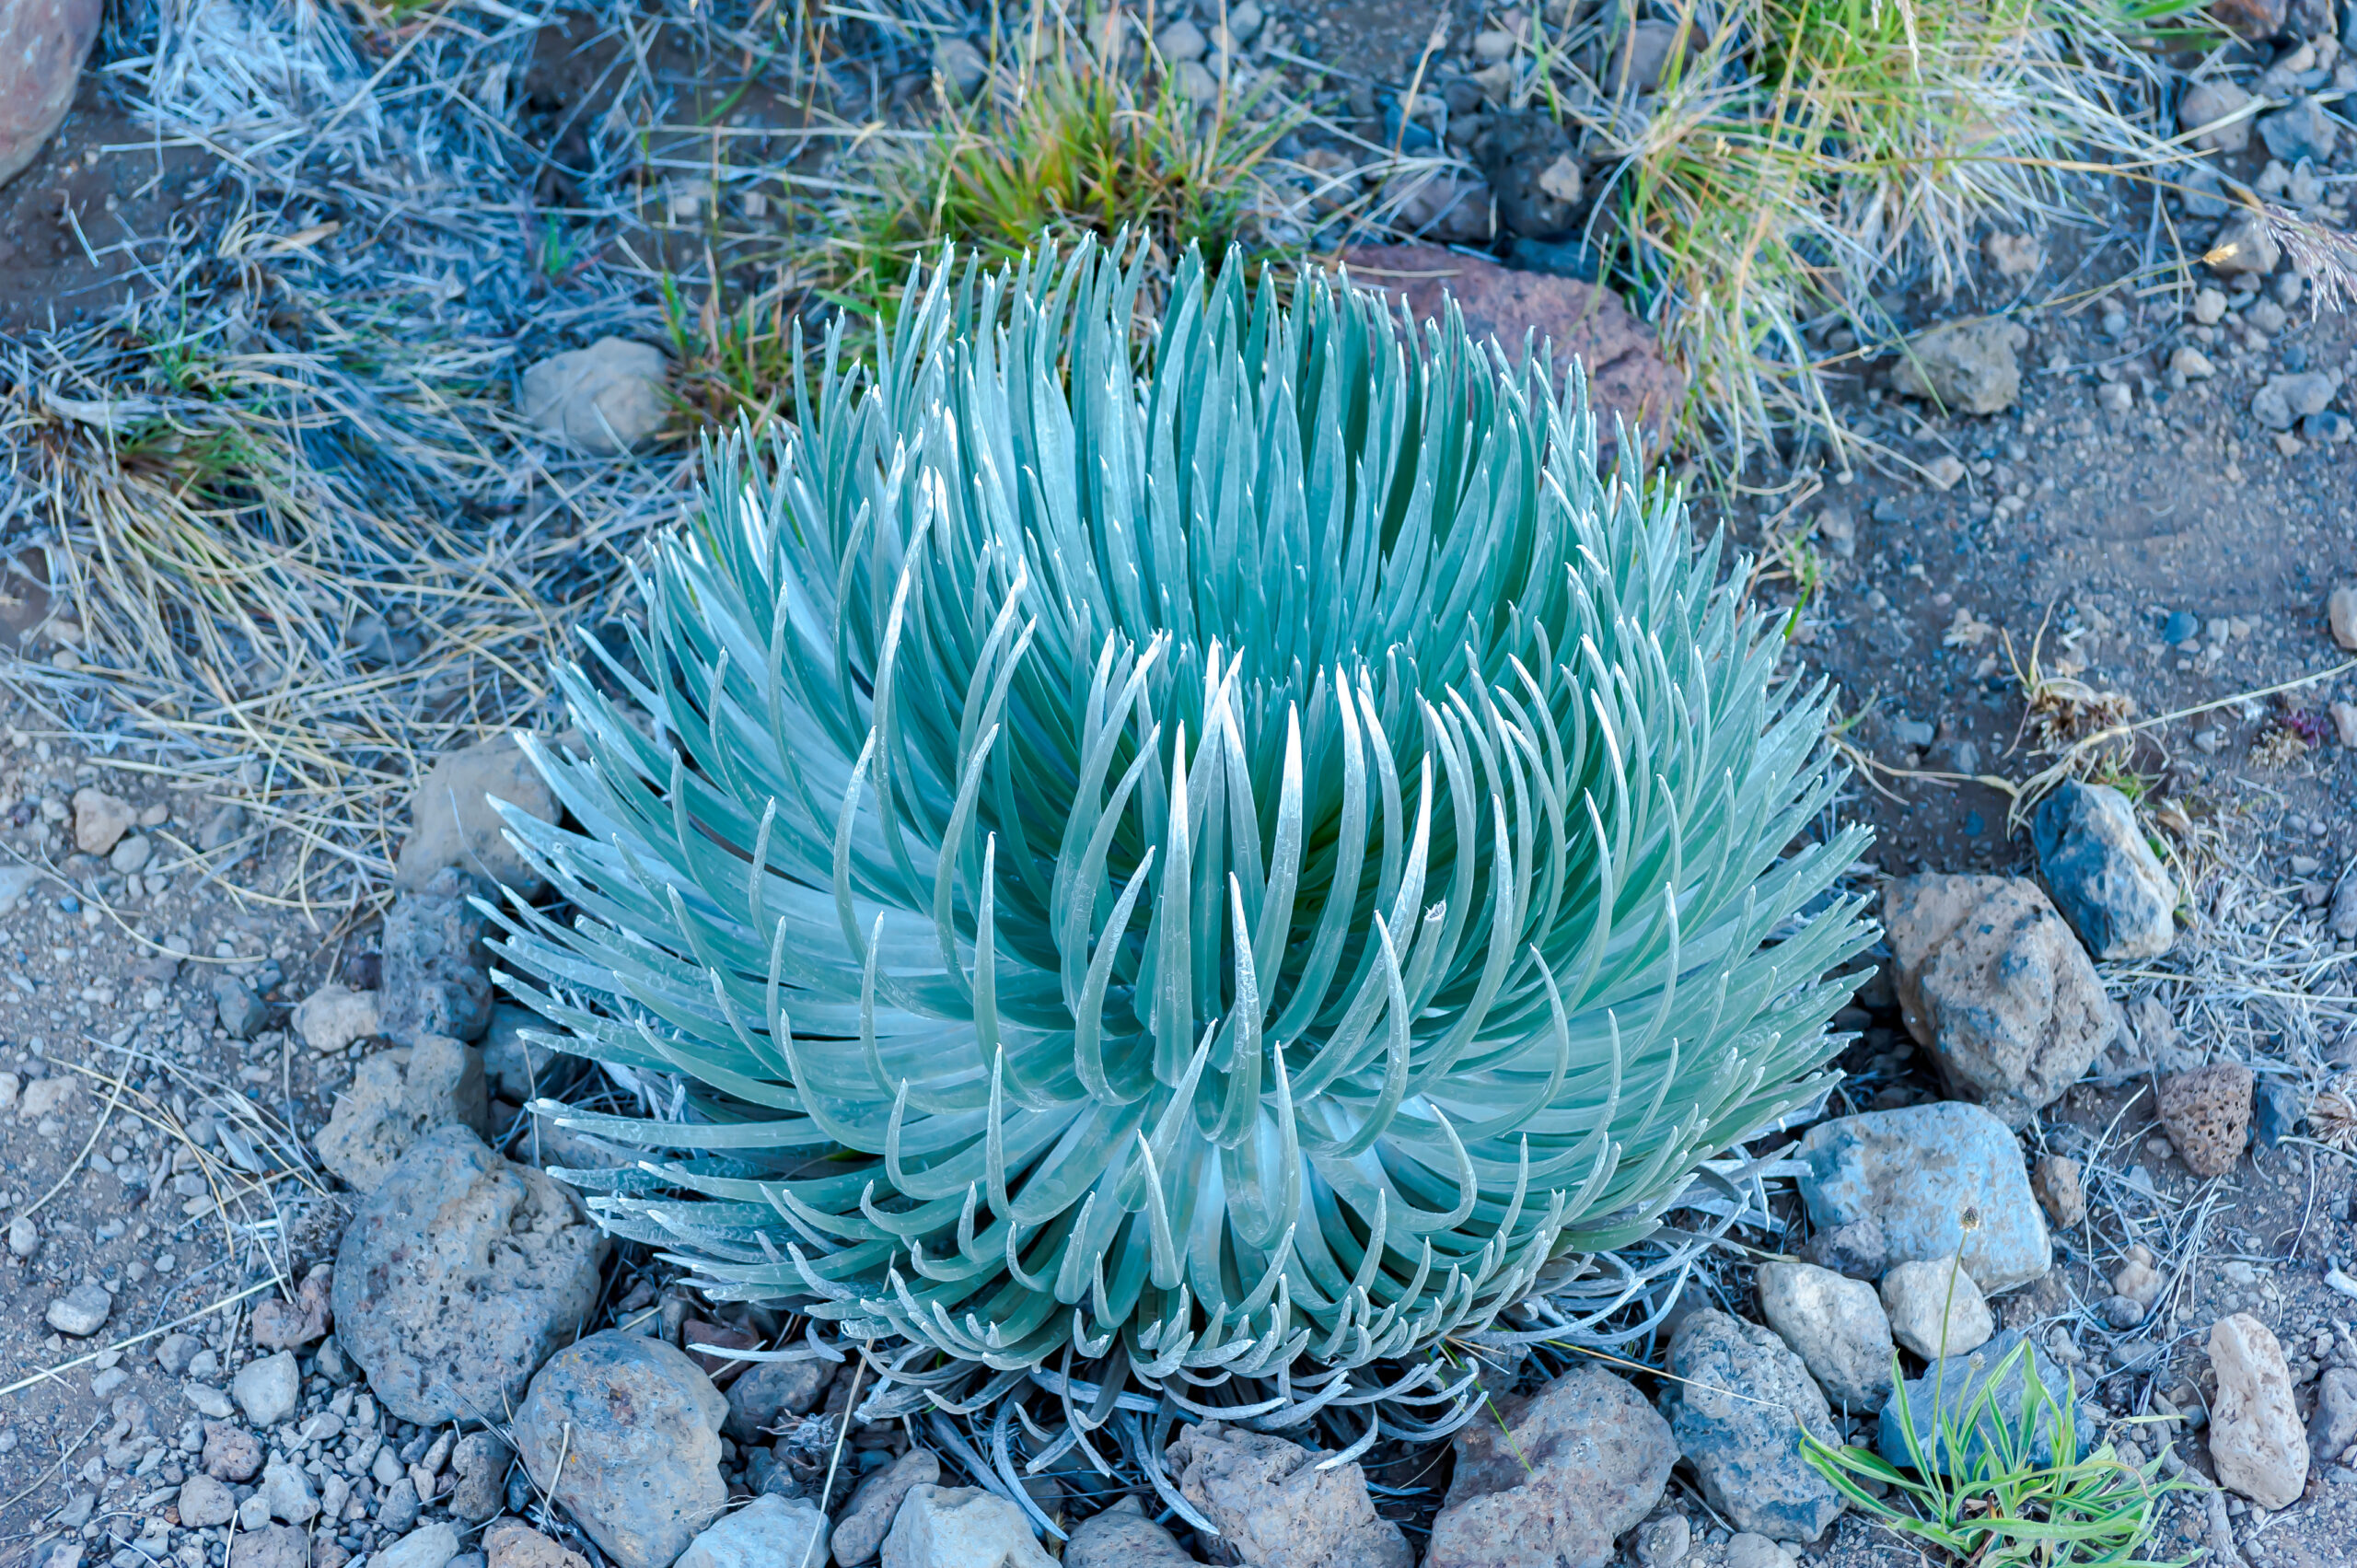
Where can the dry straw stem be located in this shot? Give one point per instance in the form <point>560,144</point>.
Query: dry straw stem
<point>1799,155</point>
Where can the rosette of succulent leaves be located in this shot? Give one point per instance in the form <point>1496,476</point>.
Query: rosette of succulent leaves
<point>1227,845</point>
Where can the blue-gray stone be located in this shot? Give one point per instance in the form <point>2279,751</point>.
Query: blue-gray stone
<point>1955,1430</point>
<point>2106,879</point>
<point>1919,1172</point>
<point>2183,626</point>
<point>1736,1399</point>
<point>2275,1111</point>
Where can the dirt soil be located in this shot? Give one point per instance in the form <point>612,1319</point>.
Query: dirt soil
<point>130,1120</point>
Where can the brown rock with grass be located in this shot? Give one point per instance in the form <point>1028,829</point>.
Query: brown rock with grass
<point>1971,367</point>
<point>1276,1508</point>
<point>1628,378</point>
<point>42,45</point>
<point>1554,1478</point>
<point>2206,1113</point>
<point>1990,978</point>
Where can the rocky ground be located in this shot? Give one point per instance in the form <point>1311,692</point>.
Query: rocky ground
<point>293,1289</point>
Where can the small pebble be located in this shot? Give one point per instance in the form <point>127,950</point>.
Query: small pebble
<point>81,1311</point>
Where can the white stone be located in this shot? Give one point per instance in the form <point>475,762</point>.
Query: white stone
<point>289,1492</point>
<point>333,1018</point>
<point>1916,1295</point>
<point>1182,42</point>
<point>266,1389</point>
<point>605,398</point>
<point>428,1546</point>
<point>769,1532</point>
<point>81,1311</point>
<point>2256,1441</point>
<point>960,1527</point>
<point>1835,1324</point>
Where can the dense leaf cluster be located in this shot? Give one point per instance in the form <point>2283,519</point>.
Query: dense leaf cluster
<point>1248,859</point>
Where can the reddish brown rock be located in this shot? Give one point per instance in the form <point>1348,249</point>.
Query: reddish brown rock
<point>284,1325</point>
<point>1626,373</point>
<point>43,43</point>
<point>2206,1113</point>
<point>2252,19</point>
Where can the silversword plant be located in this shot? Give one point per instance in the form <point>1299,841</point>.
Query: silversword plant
<point>1244,860</point>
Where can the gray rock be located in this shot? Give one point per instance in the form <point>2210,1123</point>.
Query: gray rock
<point>273,1546</point>
<point>639,1425</point>
<point>230,1453</point>
<point>396,1097</point>
<point>81,1311</point>
<point>453,822</point>
<point>1935,1309</point>
<point>268,1388</point>
<point>287,1491</point>
<point>436,969</point>
<point>2104,877</point>
<point>334,1018</point>
<point>205,1502</point>
<point>2204,109</point>
<point>2286,400</point>
<point>515,1069</point>
<point>429,1546</point>
<point>480,1461</point>
<point>239,1012</point>
<point>1272,1504</point>
<point>1995,985</point>
<point>1665,1542</point>
<point>459,1276</point>
<point>2333,1426</point>
<point>1555,1478</point>
<point>1834,1324</point>
<point>1736,1411</point>
<point>398,1509</point>
<point>1971,367</point>
<point>1856,1250</point>
<point>1918,1171</point>
<point>860,1533</point>
<point>1181,41</point>
<point>1122,1536</point>
<point>768,1391</point>
<point>2302,130</point>
<point>960,66</point>
<point>1636,58</point>
<point>962,1527</point>
<point>605,398</point>
<point>1451,208</point>
<point>100,819</point>
<point>768,1532</point>
<point>1746,1550</point>
<point>1934,1405</point>
<point>2243,245</point>
<point>1533,168</point>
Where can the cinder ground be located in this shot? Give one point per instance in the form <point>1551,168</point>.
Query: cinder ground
<point>2078,534</point>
